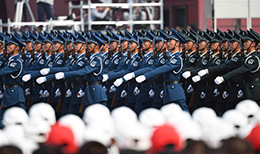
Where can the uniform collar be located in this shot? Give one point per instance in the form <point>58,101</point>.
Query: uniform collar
<point>124,54</point>
<point>103,54</point>
<point>13,56</point>
<point>80,55</point>
<point>48,57</point>
<point>215,54</point>
<point>235,54</point>
<point>133,55</point>
<point>250,53</point>
<point>93,55</point>
<point>160,54</point>
<point>177,52</point>
<point>203,54</point>
<point>191,53</point>
<point>115,54</point>
<point>59,54</point>
<point>147,54</point>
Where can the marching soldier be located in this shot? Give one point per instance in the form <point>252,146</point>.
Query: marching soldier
<point>94,92</point>
<point>234,88</point>
<point>11,75</point>
<point>2,63</point>
<point>171,70</point>
<point>133,65</point>
<point>249,69</point>
<point>144,98</point>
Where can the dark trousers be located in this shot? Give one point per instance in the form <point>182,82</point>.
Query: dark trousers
<point>25,13</point>
<point>44,8</point>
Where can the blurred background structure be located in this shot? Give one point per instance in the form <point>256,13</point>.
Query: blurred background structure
<point>147,14</point>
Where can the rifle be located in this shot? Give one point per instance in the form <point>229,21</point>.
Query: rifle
<point>60,102</point>
<point>82,105</point>
<point>28,103</point>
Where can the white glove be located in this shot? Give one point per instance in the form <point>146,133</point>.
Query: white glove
<point>201,73</point>
<point>186,74</point>
<point>151,93</point>
<point>105,78</point>
<point>26,77</point>
<point>129,76</point>
<point>136,91</point>
<point>112,89</point>
<point>140,79</point>
<point>41,80</point>
<point>196,78</point>
<point>45,71</point>
<point>118,82</point>
<point>219,80</point>
<point>59,76</point>
<point>123,93</point>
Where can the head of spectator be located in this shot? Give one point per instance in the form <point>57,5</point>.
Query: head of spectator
<point>166,138</point>
<point>254,139</point>
<point>63,137</point>
<point>10,149</point>
<point>93,147</point>
<point>44,111</point>
<point>15,116</point>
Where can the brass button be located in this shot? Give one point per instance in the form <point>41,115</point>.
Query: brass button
<point>12,90</point>
<point>172,87</point>
<point>94,88</point>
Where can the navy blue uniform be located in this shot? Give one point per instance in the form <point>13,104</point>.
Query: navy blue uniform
<point>11,75</point>
<point>171,70</point>
<point>94,92</point>
<point>2,64</point>
<point>133,65</point>
<point>144,100</point>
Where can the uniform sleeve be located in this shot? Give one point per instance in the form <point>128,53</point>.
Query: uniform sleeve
<point>12,67</point>
<point>234,63</point>
<point>171,65</point>
<point>251,64</point>
<point>50,77</point>
<point>93,66</point>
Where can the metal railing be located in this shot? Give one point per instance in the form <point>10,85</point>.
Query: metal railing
<point>128,6</point>
<point>48,25</point>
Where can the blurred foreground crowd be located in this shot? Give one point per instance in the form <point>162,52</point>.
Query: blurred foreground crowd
<point>166,131</point>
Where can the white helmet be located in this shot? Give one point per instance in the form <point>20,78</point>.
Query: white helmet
<point>15,116</point>
<point>44,111</point>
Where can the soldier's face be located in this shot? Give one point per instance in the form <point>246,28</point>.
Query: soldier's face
<point>214,46</point>
<point>258,47</point>
<point>146,45</point>
<point>56,46</point>
<point>1,46</point>
<point>171,44</point>
<point>69,46</point>
<point>124,45</point>
<point>10,48</point>
<point>202,45</point>
<point>91,47</point>
<point>46,46</point>
<point>37,46</point>
<point>224,45</point>
<point>77,46</point>
<point>247,44</point>
<point>113,46</point>
<point>188,45</point>
<point>233,45</point>
<point>159,45</point>
<point>132,46</point>
<point>28,46</point>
